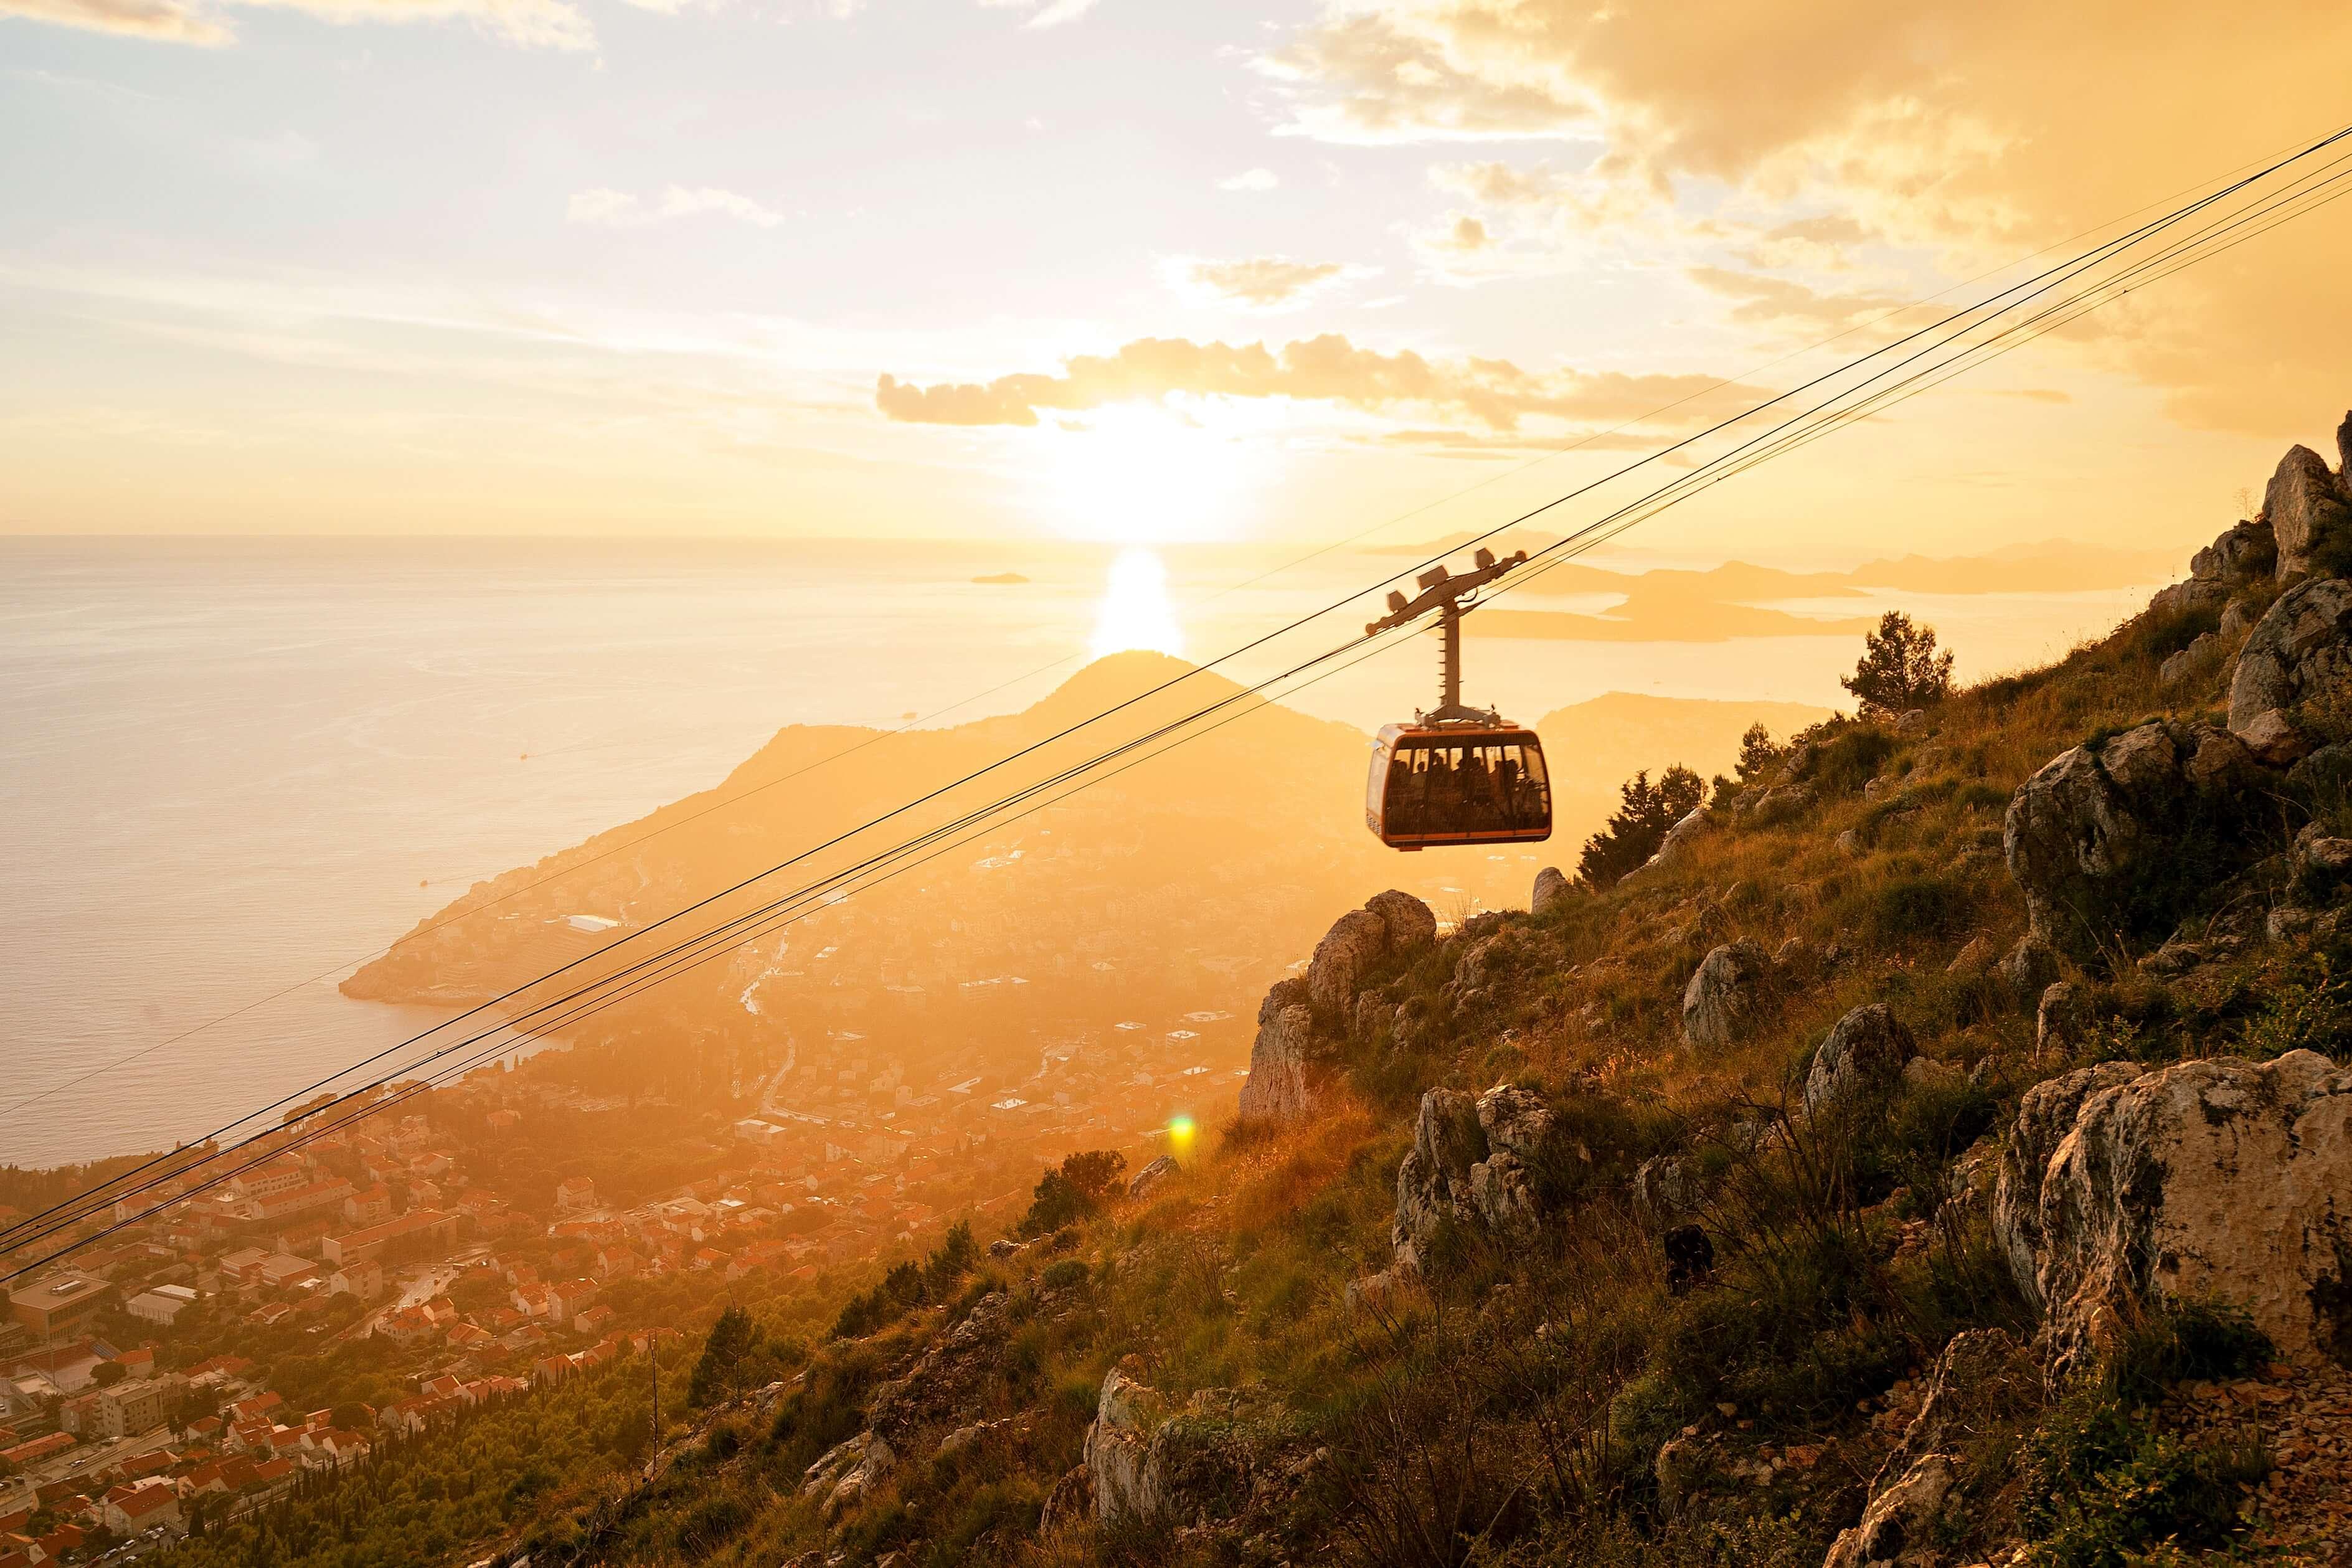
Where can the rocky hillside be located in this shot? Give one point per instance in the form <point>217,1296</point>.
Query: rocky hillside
<point>1938,1155</point>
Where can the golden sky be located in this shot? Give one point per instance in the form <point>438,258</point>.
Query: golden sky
<point>1104,269</point>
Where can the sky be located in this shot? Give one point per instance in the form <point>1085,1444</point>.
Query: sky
<point>1103,271</point>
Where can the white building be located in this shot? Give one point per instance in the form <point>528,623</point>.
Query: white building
<point>163,1304</point>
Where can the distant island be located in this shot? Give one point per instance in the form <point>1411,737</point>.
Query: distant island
<point>1002,577</point>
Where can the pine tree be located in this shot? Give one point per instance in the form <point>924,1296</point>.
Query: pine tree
<point>1639,823</point>
<point>1900,668</point>
<point>731,1339</point>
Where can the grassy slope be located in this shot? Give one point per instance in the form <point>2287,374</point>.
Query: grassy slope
<point>1516,1410</point>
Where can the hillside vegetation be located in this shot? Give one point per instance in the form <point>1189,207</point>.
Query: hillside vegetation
<point>1933,1155</point>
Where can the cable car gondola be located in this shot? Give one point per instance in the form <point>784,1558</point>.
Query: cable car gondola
<point>1456,775</point>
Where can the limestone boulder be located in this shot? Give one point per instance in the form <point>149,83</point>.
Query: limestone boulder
<point>1517,1127</point>
<point>2219,1180</point>
<point>1433,1187</point>
<point>1551,886</point>
<point>1157,1463</point>
<point>848,1472</point>
<point>2058,1018</point>
<point>1473,1163</point>
<point>1667,1191</point>
<point>2093,821</point>
<point>1899,1527</point>
<point>2247,551</point>
<point>1126,1413</point>
<point>1405,921</point>
<point>1356,942</point>
<point>1860,1063</point>
<point>2306,511</point>
<point>1154,1176</point>
<point>1070,1504</point>
<point>2301,649</point>
<point>1724,995</point>
<point>2198,660</point>
<point>2030,966</point>
<point>1675,848</point>
<point>946,1381</point>
<point>2188,595</point>
<point>2046,1116</point>
<point>1290,1068</point>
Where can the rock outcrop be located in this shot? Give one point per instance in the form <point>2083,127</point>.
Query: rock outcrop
<point>1070,1504</point>
<point>944,1385</point>
<point>1551,886</point>
<point>1348,951</point>
<point>2305,508</point>
<point>1667,1191</point>
<point>1126,1413</point>
<point>2247,551</point>
<point>2216,1180</point>
<point>847,1472</point>
<point>1675,845</point>
<point>1290,1061</point>
<point>2300,648</point>
<point>1724,994</point>
<point>1289,1067</point>
<point>1899,1527</point>
<point>1151,1462</point>
<point>1981,1378</point>
<point>1473,1163</point>
<point>1154,1176</point>
<point>1861,1063</point>
<point>2091,822</point>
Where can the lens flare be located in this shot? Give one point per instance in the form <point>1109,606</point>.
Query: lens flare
<point>1179,1136</point>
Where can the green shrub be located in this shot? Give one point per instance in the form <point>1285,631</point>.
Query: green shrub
<point>2155,636</point>
<point>1852,759</point>
<point>2310,1008</point>
<point>1910,910</point>
<point>1976,795</point>
<point>2181,1342</point>
<point>2102,1486</point>
<point>1075,1192</point>
<point>711,1522</point>
<point>1064,1274</point>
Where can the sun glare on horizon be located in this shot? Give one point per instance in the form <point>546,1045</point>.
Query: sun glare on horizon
<point>1145,476</point>
<point>1136,611</point>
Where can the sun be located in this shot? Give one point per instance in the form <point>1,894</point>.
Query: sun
<point>1143,475</point>
<point>1136,611</point>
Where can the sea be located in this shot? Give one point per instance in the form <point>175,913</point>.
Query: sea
<point>231,770</point>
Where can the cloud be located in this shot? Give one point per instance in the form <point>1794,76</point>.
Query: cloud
<point>1961,132</point>
<point>1360,76</point>
<point>166,20</point>
<point>1494,394</point>
<point>1259,282</point>
<point>1250,179</point>
<point>1051,14</point>
<point>533,24</point>
<point>610,209</point>
<point>1760,299</point>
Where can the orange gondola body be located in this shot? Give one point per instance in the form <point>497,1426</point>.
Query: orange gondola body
<point>1432,785</point>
